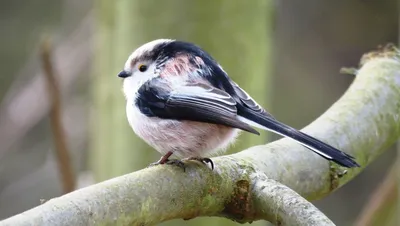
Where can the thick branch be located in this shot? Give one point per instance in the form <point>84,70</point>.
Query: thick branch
<point>282,206</point>
<point>364,122</point>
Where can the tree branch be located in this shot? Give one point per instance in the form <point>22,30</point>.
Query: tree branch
<point>282,206</point>
<point>71,56</point>
<point>364,123</point>
<point>60,142</point>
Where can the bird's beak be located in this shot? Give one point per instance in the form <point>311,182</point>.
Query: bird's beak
<point>124,74</point>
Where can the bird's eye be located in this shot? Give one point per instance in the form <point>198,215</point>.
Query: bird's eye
<point>142,68</point>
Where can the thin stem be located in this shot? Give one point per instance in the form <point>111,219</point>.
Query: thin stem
<point>61,149</point>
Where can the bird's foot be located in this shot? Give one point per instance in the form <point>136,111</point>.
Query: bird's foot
<point>174,162</point>
<point>202,160</point>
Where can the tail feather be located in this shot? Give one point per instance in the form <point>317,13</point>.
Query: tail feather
<point>317,146</point>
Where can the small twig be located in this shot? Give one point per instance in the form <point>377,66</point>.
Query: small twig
<point>63,158</point>
<point>385,192</point>
<point>71,55</point>
<point>348,70</point>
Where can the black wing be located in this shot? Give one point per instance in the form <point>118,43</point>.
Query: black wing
<point>247,101</point>
<point>196,102</point>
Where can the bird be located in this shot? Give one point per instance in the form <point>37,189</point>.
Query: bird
<point>181,102</point>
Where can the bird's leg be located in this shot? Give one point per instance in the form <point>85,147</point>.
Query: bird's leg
<point>164,160</point>
<point>202,160</point>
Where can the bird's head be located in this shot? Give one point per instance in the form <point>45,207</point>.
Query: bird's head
<point>166,58</point>
<point>145,60</point>
<point>142,65</point>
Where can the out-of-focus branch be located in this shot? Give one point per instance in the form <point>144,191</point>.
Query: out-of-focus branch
<point>384,194</point>
<point>71,56</point>
<point>61,149</point>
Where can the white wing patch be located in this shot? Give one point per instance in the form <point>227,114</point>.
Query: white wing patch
<point>204,94</point>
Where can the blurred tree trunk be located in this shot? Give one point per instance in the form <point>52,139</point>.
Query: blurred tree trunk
<point>114,149</point>
<point>236,33</point>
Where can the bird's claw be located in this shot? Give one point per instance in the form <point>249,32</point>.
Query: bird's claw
<point>202,160</point>
<point>181,164</point>
<point>174,162</point>
<point>154,164</point>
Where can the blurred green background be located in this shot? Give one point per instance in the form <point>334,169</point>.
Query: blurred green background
<point>286,54</point>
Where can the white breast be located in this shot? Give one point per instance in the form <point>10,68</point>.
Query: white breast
<point>155,131</point>
<point>184,138</point>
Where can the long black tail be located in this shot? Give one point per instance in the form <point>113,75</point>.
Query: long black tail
<point>319,147</point>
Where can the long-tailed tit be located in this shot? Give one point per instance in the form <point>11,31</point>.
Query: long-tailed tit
<point>181,102</point>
